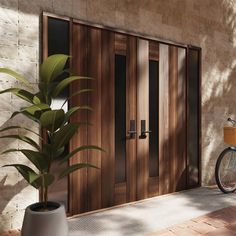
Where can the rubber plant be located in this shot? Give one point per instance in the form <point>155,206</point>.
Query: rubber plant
<point>55,122</point>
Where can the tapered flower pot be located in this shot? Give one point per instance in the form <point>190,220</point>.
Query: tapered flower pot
<point>41,222</point>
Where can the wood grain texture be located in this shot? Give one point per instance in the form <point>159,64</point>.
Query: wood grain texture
<point>142,114</point>
<point>181,128</point>
<point>164,170</point>
<point>131,113</point>
<point>120,43</point>
<point>94,117</point>
<point>153,186</point>
<point>78,191</point>
<point>120,193</point>
<point>108,118</point>
<point>173,93</point>
<point>45,37</point>
<point>154,50</point>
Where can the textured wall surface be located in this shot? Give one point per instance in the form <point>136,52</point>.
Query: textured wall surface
<point>209,24</point>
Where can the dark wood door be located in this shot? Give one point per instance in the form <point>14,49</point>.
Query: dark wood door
<point>142,116</point>
<point>139,87</point>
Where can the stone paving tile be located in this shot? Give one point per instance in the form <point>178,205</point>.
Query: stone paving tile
<point>218,223</point>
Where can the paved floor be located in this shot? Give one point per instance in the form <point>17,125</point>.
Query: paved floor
<point>193,212</point>
<point>217,223</point>
<point>152,215</point>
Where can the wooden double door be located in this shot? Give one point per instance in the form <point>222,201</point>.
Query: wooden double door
<point>139,118</point>
<point>145,114</point>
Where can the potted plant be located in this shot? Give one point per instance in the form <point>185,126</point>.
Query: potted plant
<point>46,218</point>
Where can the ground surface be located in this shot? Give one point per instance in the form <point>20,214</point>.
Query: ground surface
<point>193,212</point>
<point>144,217</point>
<point>218,223</point>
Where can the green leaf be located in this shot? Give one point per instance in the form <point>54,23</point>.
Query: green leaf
<point>33,112</point>
<point>63,136</point>
<point>21,93</point>
<point>75,167</point>
<point>37,158</point>
<point>73,110</point>
<point>24,139</point>
<point>37,107</point>
<point>31,117</point>
<point>64,83</point>
<point>36,100</point>
<point>49,151</point>
<point>77,93</point>
<point>81,148</point>
<point>14,74</point>
<point>52,67</point>
<point>52,120</point>
<point>19,127</point>
<point>39,97</point>
<point>28,174</point>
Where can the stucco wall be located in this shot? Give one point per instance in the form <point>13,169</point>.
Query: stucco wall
<point>209,24</point>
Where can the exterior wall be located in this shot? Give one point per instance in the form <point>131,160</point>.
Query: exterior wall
<point>205,23</point>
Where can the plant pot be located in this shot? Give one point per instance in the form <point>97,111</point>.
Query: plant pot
<point>45,223</point>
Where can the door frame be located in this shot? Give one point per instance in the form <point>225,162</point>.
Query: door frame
<point>44,54</point>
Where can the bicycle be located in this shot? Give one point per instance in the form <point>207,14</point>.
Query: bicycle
<point>225,170</point>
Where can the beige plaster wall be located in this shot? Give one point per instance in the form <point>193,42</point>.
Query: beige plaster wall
<point>209,24</point>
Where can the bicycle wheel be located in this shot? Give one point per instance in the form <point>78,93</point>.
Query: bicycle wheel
<point>225,171</point>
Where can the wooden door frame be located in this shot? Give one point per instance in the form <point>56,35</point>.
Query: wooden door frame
<point>44,55</point>
<point>199,50</point>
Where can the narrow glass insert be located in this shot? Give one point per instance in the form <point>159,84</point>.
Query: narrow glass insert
<point>120,118</point>
<point>153,117</point>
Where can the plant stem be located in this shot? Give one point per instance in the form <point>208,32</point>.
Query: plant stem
<point>45,197</point>
<point>43,191</point>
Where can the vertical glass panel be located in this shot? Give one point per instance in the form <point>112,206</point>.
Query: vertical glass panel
<point>58,43</point>
<point>153,117</point>
<point>193,118</point>
<point>120,118</point>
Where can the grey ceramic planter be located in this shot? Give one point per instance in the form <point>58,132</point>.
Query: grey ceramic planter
<point>50,223</point>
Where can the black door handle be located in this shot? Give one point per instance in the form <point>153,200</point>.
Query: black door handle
<point>132,132</point>
<point>143,130</point>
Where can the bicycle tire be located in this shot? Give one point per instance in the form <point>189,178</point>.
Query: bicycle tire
<point>217,168</point>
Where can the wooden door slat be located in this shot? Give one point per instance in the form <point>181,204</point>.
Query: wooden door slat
<point>142,114</point>
<point>94,117</point>
<point>173,93</point>
<point>164,168</point>
<point>108,121</point>
<point>181,175</point>
<point>131,113</point>
<point>78,191</point>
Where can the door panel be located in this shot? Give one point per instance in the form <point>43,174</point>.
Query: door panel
<point>94,117</point>
<point>108,118</point>
<point>177,122</point>
<point>78,195</point>
<point>131,113</point>
<point>142,116</point>
<point>164,162</point>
